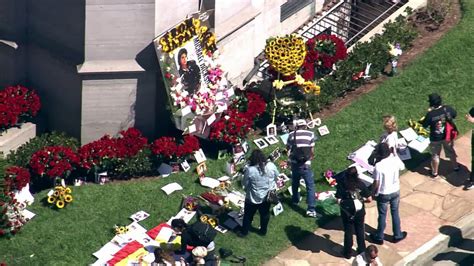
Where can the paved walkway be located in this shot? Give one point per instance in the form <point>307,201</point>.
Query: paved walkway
<point>426,205</point>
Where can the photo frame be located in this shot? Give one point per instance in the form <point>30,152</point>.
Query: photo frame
<point>245,146</point>
<point>323,130</point>
<point>261,144</point>
<point>277,209</point>
<point>200,156</point>
<point>275,154</point>
<point>283,177</point>
<point>185,166</point>
<point>271,140</point>
<point>271,130</point>
<point>201,168</point>
<point>175,167</point>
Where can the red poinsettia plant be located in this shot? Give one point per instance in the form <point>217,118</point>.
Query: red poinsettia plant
<point>17,177</point>
<point>54,161</point>
<point>169,148</point>
<point>101,154</point>
<point>17,104</point>
<point>239,118</point>
<point>323,51</point>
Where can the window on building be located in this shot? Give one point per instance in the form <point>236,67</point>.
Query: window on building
<point>291,7</point>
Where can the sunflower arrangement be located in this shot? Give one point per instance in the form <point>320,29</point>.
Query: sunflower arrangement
<point>286,54</point>
<point>120,229</point>
<point>418,127</point>
<point>60,196</point>
<point>212,221</point>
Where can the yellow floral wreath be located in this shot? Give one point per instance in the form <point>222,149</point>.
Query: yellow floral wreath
<point>286,54</point>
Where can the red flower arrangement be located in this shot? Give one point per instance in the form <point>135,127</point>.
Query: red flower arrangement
<point>54,161</point>
<point>239,119</point>
<point>11,217</point>
<point>324,50</point>
<point>99,153</point>
<point>17,177</point>
<point>130,143</point>
<point>16,104</point>
<point>168,148</point>
<point>96,153</point>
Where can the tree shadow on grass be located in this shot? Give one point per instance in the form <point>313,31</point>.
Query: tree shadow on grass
<point>306,240</point>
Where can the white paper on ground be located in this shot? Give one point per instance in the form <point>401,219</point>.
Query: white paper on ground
<point>325,195</point>
<point>409,134</point>
<point>237,198</point>
<point>24,195</point>
<point>419,146</point>
<point>209,182</point>
<point>164,235</point>
<point>28,214</point>
<point>185,215</point>
<point>107,251</point>
<point>139,216</point>
<point>277,209</point>
<point>172,187</point>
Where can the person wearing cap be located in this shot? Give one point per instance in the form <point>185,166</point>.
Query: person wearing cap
<point>435,119</point>
<point>302,138</point>
<point>470,119</point>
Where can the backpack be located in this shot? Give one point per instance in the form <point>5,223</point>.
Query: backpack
<point>203,232</point>
<point>300,154</point>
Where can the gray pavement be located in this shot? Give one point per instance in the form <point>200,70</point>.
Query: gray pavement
<point>427,206</point>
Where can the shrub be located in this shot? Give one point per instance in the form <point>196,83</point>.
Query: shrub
<point>22,156</point>
<point>138,165</point>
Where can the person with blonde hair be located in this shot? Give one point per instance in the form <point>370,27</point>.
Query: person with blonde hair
<point>390,135</point>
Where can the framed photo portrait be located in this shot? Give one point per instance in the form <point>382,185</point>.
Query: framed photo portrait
<point>271,140</point>
<point>271,130</point>
<point>201,168</point>
<point>185,165</point>
<point>323,130</point>
<point>261,144</point>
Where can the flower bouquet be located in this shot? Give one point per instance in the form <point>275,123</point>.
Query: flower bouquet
<point>285,54</point>
<point>54,161</point>
<point>60,196</point>
<point>323,52</point>
<point>329,176</point>
<point>17,104</point>
<point>12,218</point>
<point>167,148</point>
<point>17,177</point>
<point>120,229</point>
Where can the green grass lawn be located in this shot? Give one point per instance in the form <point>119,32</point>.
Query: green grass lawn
<point>71,235</point>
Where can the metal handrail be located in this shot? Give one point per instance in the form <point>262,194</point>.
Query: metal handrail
<point>373,21</point>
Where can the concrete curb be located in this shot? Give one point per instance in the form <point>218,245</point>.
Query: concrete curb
<point>440,242</point>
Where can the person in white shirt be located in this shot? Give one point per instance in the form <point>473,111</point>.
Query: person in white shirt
<point>368,257</point>
<point>386,189</point>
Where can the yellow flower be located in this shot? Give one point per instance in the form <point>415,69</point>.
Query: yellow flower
<point>60,204</point>
<point>278,84</point>
<point>212,222</point>
<point>56,194</point>
<point>68,198</point>
<point>51,199</point>
<point>204,218</point>
<point>68,190</point>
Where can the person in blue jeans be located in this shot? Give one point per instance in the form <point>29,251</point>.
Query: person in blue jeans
<point>386,189</point>
<point>298,140</point>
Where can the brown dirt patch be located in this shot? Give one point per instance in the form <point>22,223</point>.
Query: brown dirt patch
<point>423,42</point>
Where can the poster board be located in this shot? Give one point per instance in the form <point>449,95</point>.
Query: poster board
<point>196,85</point>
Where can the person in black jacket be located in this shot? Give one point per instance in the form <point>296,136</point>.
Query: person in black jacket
<point>350,195</point>
<point>436,119</point>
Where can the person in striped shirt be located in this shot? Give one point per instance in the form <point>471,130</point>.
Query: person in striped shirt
<point>301,141</point>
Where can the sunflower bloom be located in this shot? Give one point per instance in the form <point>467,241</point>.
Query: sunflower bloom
<point>60,204</point>
<point>68,198</point>
<point>51,199</point>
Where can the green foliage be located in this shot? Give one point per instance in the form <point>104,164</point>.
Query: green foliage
<point>21,157</point>
<point>375,52</point>
<point>138,165</point>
